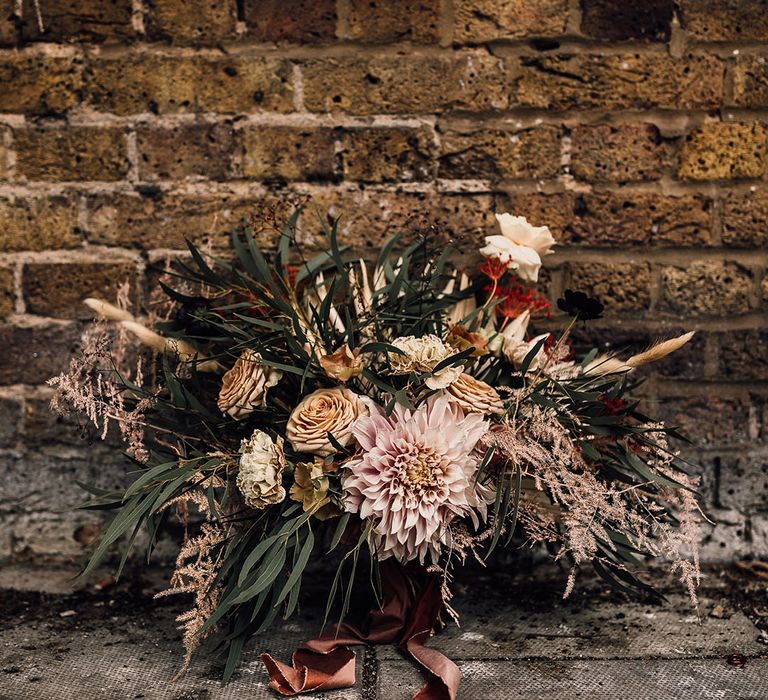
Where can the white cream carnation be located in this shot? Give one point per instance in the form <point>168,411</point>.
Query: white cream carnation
<point>423,355</point>
<point>260,479</point>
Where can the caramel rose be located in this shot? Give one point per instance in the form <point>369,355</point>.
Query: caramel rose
<point>321,412</point>
<point>475,396</point>
<point>244,387</point>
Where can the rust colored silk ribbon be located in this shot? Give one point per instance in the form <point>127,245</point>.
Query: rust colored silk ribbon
<point>411,604</point>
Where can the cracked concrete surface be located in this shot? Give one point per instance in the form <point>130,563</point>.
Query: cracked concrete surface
<point>518,639</point>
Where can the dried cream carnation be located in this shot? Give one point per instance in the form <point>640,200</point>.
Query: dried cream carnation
<point>260,479</point>
<point>475,396</point>
<point>423,355</point>
<point>244,387</point>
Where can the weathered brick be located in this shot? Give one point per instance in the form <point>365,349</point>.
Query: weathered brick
<point>7,294</point>
<point>163,220</point>
<point>750,82</point>
<point>724,540</point>
<point>744,355</point>
<point>532,153</point>
<point>384,154</point>
<point>745,220</point>
<point>370,217</point>
<point>3,154</point>
<point>191,23</point>
<point>383,21</point>
<point>486,20</point>
<point>10,421</point>
<point>744,482</point>
<point>58,289</point>
<point>610,220</point>
<point>9,33</point>
<point>707,289</point>
<point>618,152</point>
<point>92,21</point>
<point>205,150</point>
<point>289,153</point>
<point>725,20</point>
<point>72,153</point>
<point>301,21</point>
<point>709,419</point>
<point>616,20</point>
<point>38,224</point>
<point>47,428</point>
<point>31,355</point>
<point>724,150</point>
<point>169,84</point>
<point>620,286</point>
<point>406,84</point>
<point>34,83</point>
<point>45,536</point>
<point>631,81</point>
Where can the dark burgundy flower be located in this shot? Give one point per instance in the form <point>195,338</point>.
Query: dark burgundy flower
<point>580,305</point>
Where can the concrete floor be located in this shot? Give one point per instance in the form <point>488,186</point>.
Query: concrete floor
<point>518,639</point>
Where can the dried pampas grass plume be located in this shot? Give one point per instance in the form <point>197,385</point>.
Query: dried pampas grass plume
<point>606,364</point>
<point>185,351</point>
<point>661,349</point>
<point>108,311</point>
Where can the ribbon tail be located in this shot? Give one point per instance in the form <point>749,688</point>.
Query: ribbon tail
<point>311,671</point>
<point>444,675</point>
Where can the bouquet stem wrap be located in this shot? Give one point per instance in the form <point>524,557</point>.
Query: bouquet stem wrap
<point>411,605</point>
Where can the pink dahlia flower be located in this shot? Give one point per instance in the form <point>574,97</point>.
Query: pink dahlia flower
<point>415,475</point>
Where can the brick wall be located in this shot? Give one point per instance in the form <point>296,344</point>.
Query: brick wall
<point>637,131</point>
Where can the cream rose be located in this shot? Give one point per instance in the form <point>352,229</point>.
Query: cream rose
<point>520,246</point>
<point>321,412</point>
<point>475,396</point>
<point>260,479</point>
<point>244,387</point>
<point>423,355</point>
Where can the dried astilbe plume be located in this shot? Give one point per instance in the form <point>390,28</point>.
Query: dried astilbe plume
<point>562,498</point>
<point>92,388</point>
<point>195,573</point>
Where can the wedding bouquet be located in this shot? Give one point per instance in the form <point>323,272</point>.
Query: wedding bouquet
<point>394,417</point>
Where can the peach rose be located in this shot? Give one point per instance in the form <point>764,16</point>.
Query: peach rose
<point>475,396</point>
<point>244,387</point>
<point>324,411</point>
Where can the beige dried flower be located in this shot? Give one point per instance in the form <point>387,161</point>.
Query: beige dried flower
<point>311,490</point>
<point>475,396</point>
<point>343,364</point>
<point>244,387</point>
<point>462,339</point>
<point>260,479</point>
<point>423,355</point>
<point>321,412</point>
